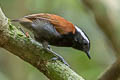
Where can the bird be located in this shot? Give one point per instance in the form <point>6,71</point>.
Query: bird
<point>51,29</point>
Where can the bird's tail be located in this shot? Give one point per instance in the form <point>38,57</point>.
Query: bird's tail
<point>21,20</point>
<point>15,20</point>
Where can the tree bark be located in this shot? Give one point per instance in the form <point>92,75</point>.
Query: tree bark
<point>32,52</point>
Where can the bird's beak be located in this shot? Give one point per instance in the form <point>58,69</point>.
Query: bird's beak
<point>88,54</point>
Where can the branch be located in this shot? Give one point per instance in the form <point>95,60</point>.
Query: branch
<point>105,23</point>
<point>112,73</point>
<point>32,52</point>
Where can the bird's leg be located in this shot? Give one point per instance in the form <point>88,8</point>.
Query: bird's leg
<point>45,44</point>
<point>58,57</point>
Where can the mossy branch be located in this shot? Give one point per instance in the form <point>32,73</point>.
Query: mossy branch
<point>32,52</point>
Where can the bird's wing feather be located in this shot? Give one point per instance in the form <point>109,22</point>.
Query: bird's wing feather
<point>61,25</point>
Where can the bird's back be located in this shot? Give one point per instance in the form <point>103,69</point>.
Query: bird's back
<point>49,27</point>
<point>60,24</point>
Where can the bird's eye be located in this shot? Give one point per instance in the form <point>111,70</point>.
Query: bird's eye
<point>85,43</point>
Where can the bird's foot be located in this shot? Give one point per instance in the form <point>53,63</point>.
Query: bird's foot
<point>49,47</point>
<point>61,59</point>
<point>25,33</point>
<point>58,57</point>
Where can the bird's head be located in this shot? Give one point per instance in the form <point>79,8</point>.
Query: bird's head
<point>81,41</point>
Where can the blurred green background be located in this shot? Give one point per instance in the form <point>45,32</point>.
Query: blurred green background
<point>13,68</point>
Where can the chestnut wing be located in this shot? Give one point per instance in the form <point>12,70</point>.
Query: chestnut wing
<point>60,24</point>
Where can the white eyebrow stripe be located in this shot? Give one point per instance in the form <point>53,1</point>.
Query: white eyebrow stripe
<point>82,33</point>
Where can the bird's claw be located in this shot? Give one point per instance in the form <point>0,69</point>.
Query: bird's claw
<point>61,59</point>
<point>58,57</point>
<point>49,47</point>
